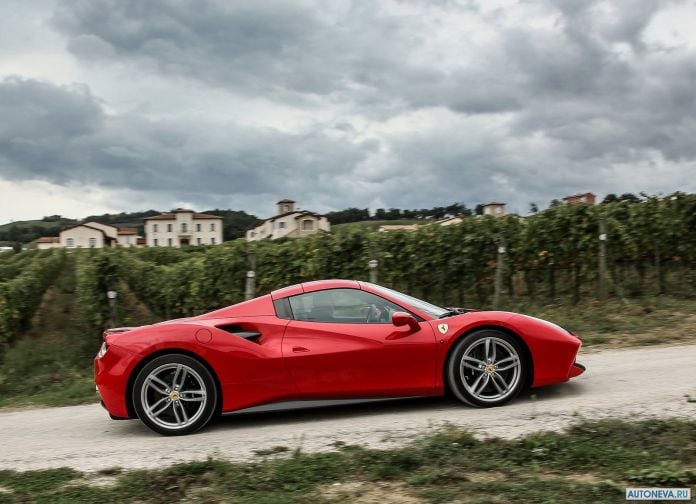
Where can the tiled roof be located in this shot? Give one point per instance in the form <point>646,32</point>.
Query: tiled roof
<point>127,231</point>
<point>205,216</point>
<point>163,216</point>
<point>300,213</point>
<point>48,239</point>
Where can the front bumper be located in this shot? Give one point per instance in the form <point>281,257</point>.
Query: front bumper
<point>111,374</point>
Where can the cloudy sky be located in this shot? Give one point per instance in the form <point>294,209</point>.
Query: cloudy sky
<point>123,105</point>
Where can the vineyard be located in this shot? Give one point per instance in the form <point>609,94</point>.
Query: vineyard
<point>24,278</point>
<point>552,256</point>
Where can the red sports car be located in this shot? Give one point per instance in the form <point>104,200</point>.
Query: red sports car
<point>331,339</point>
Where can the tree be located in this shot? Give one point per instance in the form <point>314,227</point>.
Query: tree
<point>479,209</point>
<point>610,198</point>
<point>533,208</point>
<point>629,198</point>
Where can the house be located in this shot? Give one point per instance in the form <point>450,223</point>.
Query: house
<point>494,209</point>
<point>579,199</point>
<point>48,242</point>
<point>89,235</point>
<point>289,222</point>
<point>127,237</point>
<point>183,227</point>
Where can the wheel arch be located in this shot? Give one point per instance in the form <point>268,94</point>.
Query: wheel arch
<point>169,351</point>
<point>503,329</point>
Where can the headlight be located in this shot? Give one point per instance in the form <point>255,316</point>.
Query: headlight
<point>102,350</point>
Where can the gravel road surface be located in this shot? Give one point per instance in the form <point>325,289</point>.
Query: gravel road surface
<point>635,383</point>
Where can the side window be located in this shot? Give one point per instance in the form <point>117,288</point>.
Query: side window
<point>351,306</point>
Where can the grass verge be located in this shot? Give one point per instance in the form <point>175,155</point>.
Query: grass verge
<point>612,323</point>
<point>592,462</point>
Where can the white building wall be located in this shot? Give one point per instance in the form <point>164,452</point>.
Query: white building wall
<point>288,225</point>
<point>80,236</point>
<point>170,232</point>
<point>43,246</point>
<point>128,240</point>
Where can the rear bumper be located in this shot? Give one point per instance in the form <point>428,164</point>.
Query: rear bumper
<point>576,370</point>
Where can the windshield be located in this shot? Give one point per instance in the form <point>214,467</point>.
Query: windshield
<point>419,304</point>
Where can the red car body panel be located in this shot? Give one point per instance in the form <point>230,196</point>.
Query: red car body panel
<point>293,359</point>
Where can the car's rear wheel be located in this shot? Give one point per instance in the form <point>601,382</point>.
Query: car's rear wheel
<point>487,368</point>
<point>174,394</point>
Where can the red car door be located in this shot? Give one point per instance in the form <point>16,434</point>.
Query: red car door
<point>348,347</point>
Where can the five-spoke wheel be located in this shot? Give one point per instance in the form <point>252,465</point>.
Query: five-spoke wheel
<point>487,368</point>
<point>174,394</point>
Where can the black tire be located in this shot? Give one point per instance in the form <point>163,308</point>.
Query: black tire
<point>181,389</point>
<point>493,377</point>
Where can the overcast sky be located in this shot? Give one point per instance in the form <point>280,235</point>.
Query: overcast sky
<point>124,105</point>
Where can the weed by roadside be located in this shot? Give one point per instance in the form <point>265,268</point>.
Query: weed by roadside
<point>591,462</point>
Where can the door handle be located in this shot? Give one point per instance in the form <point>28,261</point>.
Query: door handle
<point>299,349</point>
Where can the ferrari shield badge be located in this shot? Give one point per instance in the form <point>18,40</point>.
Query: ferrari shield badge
<point>442,328</point>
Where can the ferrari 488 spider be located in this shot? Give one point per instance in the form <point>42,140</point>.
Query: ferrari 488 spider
<point>331,339</point>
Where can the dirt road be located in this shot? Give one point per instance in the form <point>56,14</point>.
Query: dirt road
<point>642,382</point>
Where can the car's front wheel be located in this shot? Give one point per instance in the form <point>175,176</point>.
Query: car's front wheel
<point>174,394</point>
<point>487,368</point>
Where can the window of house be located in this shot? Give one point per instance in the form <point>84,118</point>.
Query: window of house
<point>184,227</point>
<point>343,306</point>
<point>212,241</point>
<point>198,228</point>
<point>154,242</point>
<point>169,242</point>
<point>198,241</point>
<point>282,225</point>
<point>307,225</point>
<point>92,242</point>
<point>155,228</point>
<point>70,242</point>
<point>169,228</point>
<point>286,208</point>
<point>212,226</point>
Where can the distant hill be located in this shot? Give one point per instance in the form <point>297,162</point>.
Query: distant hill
<point>235,223</point>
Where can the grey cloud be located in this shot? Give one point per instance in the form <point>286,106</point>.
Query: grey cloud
<point>62,136</point>
<point>574,103</point>
<point>285,51</point>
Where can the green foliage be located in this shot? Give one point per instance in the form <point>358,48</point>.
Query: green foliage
<point>21,294</point>
<point>96,273</point>
<point>554,252</point>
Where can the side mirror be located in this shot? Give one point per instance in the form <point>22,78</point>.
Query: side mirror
<point>400,319</point>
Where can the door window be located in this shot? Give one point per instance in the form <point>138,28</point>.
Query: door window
<point>342,306</point>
